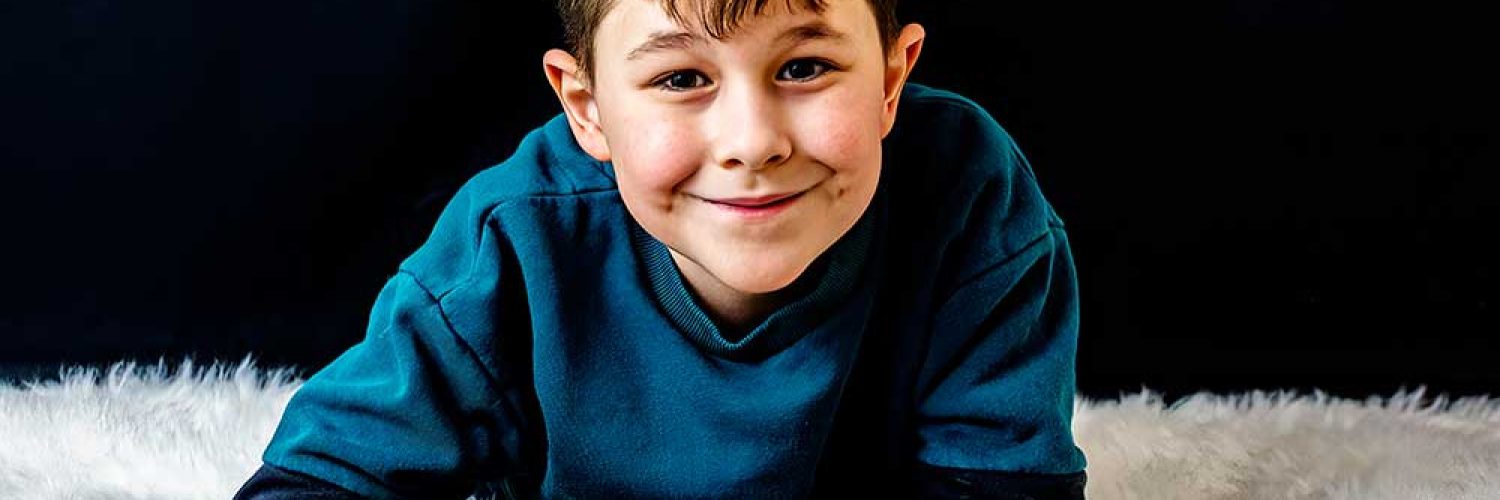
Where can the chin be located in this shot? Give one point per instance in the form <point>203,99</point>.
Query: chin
<point>756,276</point>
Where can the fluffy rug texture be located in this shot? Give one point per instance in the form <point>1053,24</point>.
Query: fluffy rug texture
<point>132,432</point>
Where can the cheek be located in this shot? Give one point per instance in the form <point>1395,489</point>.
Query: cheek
<point>842,130</point>
<point>652,157</point>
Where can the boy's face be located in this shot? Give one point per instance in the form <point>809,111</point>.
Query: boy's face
<point>701,132</point>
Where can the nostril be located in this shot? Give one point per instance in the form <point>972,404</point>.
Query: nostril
<point>773,160</point>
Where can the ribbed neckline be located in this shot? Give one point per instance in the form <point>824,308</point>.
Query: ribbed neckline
<point>831,279</point>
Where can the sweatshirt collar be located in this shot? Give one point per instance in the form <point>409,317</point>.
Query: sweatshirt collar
<point>824,287</point>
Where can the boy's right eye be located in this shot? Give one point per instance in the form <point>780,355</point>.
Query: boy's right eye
<point>678,81</point>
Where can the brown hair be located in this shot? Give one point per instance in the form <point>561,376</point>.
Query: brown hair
<point>580,19</point>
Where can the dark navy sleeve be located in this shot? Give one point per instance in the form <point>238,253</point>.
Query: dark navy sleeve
<point>994,394</point>
<point>275,483</point>
<point>995,419</point>
<point>948,483</point>
<point>409,412</point>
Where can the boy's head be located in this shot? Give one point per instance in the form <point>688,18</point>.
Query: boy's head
<point>704,105</point>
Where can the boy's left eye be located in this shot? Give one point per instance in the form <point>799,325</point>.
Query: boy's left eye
<point>803,69</point>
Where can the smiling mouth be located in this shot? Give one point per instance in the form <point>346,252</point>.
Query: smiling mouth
<point>757,202</point>
<point>763,208</point>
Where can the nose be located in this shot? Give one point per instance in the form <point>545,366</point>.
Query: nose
<point>751,131</point>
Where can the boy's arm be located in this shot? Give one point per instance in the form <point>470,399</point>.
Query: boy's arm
<point>275,483</point>
<point>407,412</point>
<point>995,413</point>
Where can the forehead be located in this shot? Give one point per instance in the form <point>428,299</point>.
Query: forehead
<point>633,22</point>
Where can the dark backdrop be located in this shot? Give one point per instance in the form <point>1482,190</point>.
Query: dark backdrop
<point>1261,193</point>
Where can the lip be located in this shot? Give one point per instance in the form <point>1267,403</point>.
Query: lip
<point>756,208</point>
<point>755,201</point>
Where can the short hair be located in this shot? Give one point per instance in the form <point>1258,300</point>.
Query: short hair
<point>717,18</point>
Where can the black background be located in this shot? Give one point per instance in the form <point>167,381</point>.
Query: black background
<point>1261,194</point>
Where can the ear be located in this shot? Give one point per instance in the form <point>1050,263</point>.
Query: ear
<point>898,64</point>
<point>577,97</point>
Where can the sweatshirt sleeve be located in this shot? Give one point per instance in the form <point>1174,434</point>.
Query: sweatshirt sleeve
<point>407,412</point>
<point>995,411</point>
<point>274,483</point>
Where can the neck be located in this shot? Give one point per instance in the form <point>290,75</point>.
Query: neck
<point>736,313</point>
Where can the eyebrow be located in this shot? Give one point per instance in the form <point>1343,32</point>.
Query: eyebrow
<point>663,40</point>
<point>679,40</point>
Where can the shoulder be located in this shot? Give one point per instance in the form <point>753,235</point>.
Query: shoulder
<point>950,165</point>
<point>548,162</point>
<point>940,123</point>
<point>468,236</point>
<point>948,140</point>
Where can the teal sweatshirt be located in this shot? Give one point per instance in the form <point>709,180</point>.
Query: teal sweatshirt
<point>540,341</point>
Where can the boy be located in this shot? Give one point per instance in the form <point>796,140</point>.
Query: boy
<point>726,270</point>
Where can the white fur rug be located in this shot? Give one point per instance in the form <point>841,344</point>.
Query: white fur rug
<point>134,432</point>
